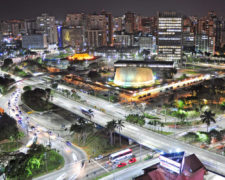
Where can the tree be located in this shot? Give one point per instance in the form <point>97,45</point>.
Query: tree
<point>18,136</point>
<point>120,125</point>
<point>82,127</point>
<point>27,88</point>
<point>110,127</point>
<point>8,127</point>
<point>182,115</point>
<point>207,118</point>
<point>54,86</point>
<point>48,93</point>
<point>94,75</point>
<point>7,62</point>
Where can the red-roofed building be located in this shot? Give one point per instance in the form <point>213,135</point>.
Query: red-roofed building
<point>192,169</point>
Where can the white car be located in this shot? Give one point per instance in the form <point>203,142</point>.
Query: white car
<point>99,157</point>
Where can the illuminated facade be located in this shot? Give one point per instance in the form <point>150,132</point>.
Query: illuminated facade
<point>72,37</point>
<point>133,77</point>
<point>205,43</point>
<point>169,38</point>
<point>81,57</point>
<point>46,25</point>
<point>34,41</point>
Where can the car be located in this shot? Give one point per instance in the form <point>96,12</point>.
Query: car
<point>99,157</point>
<point>121,164</point>
<point>68,143</point>
<point>133,160</point>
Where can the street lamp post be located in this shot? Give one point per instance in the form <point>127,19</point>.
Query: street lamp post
<point>140,151</point>
<point>165,115</point>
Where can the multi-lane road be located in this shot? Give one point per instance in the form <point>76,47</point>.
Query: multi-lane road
<point>212,161</point>
<point>73,156</point>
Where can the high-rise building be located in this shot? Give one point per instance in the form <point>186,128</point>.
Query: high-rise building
<point>169,39</point>
<point>188,41</point>
<point>12,27</point>
<point>95,27</point>
<point>117,24</point>
<point>130,22</point>
<point>94,38</point>
<point>205,43</point>
<point>72,36</point>
<point>35,41</point>
<point>222,40</point>
<point>109,27</point>
<point>98,23</point>
<point>138,24</point>
<point>46,25</point>
<point>211,26</point>
<point>75,19</point>
<point>123,39</point>
<point>30,26</point>
<point>145,42</point>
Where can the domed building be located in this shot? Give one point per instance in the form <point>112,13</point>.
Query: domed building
<point>133,77</point>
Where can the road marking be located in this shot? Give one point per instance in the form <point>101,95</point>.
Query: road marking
<point>100,165</point>
<point>74,157</point>
<point>61,177</point>
<point>73,177</point>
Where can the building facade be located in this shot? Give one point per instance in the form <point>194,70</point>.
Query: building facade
<point>47,25</point>
<point>35,41</point>
<point>205,44</point>
<point>169,38</point>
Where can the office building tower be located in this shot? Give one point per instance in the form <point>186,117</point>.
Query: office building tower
<point>46,25</point>
<point>169,39</point>
<point>35,41</point>
<point>130,22</point>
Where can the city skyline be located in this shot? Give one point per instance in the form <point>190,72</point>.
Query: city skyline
<point>25,9</point>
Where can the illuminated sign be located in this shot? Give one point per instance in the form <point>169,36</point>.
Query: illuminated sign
<point>172,161</point>
<point>170,167</point>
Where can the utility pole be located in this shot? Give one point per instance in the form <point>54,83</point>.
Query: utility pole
<point>46,163</point>
<point>140,151</point>
<point>165,115</point>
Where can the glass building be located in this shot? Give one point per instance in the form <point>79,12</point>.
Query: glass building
<point>169,39</point>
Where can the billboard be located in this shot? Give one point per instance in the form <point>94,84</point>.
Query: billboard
<point>172,161</point>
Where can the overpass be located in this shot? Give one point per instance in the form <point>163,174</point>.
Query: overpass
<point>213,162</point>
<point>146,64</point>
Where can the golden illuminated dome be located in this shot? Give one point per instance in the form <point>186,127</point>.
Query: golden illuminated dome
<point>133,77</point>
<point>81,57</point>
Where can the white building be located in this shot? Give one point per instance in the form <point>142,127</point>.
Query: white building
<point>169,39</point>
<point>204,43</point>
<point>34,41</point>
<point>46,25</point>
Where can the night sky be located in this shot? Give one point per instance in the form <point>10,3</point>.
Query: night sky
<point>19,9</point>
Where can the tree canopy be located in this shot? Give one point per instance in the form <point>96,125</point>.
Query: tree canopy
<point>8,127</point>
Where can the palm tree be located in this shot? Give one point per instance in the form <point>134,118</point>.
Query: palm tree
<point>120,125</point>
<point>110,126</point>
<point>207,118</point>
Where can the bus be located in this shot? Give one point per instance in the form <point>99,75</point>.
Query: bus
<point>88,113</point>
<point>124,154</point>
<point>32,141</point>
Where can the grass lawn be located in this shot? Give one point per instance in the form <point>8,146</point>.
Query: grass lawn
<point>162,132</point>
<point>185,123</point>
<point>150,116</point>
<point>40,106</point>
<point>10,146</point>
<point>97,143</point>
<point>54,162</point>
